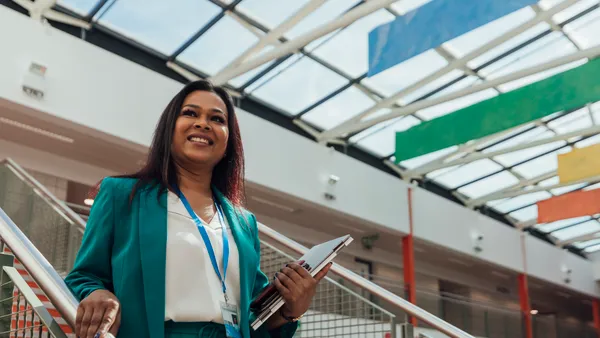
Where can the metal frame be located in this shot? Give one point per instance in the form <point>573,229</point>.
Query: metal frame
<point>412,108</point>
<point>353,124</point>
<point>293,45</point>
<point>57,291</point>
<point>343,144</point>
<point>36,304</point>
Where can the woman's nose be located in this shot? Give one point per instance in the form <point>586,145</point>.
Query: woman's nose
<point>202,125</point>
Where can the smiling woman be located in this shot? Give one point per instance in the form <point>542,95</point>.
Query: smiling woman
<point>169,251</point>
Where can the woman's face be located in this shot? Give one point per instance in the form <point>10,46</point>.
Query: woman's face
<point>201,131</point>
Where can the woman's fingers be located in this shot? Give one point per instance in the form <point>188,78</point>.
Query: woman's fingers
<point>95,322</point>
<point>286,281</point>
<point>111,310</point>
<point>78,319</point>
<point>290,272</point>
<point>115,328</point>
<point>323,272</point>
<point>283,291</point>
<point>88,312</point>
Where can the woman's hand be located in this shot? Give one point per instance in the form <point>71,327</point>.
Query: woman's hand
<point>297,287</point>
<point>98,314</point>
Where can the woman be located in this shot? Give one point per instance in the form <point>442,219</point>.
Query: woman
<point>168,251</point>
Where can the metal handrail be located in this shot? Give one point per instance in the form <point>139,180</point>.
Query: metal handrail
<point>68,212</point>
<point>39,268</point>
<point>411,309</point>
<point>59,294</point>
<point>36,304</point>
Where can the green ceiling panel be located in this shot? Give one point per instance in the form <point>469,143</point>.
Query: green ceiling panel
<point>571,89</point>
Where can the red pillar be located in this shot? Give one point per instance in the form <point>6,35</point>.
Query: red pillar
<point>525,305</point>
<point>408,254</point>
<point>596,310</point>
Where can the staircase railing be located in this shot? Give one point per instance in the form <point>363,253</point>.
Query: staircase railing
<point>22,313</point>
<point>53,285</point>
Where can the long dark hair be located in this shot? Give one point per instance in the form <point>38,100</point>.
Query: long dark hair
<point>228,174</point>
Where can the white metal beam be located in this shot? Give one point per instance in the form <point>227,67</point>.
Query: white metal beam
<point>271,38</point>
<point>193,77</point>
<point>582,238</point>
<point>301,41</point>
<point>515,193</point>
<point>479,156</point>
<point>412,108</point>
<point>42,9</point>
<point>457,64</point>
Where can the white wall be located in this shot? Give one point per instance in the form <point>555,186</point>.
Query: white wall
<point>443,222</point>
<point>548,263</point>
<point>100,90</point>
<point>52,164</point>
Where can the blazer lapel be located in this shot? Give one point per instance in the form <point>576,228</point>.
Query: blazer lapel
<point>153,252</point>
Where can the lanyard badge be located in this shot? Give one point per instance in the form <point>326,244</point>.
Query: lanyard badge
<point>229,311</point>
<point>209,247</point>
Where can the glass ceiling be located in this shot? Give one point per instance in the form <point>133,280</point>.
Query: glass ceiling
<point>324,85</point>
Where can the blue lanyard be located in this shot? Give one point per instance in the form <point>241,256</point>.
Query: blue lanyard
<point>209,247</point>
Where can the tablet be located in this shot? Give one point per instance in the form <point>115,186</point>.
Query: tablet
<point>269,301</point>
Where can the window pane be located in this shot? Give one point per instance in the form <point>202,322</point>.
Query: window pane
<point>545,228</point>
<point>489,185</point>
<point>330,10</point>
<point>592,248</point>
<point>299,86</point>
<point>521,201</point>
<point>209,54</point>
<point>472,40</point>
<point>508,45</point>
<point>270,12</point>
<point>592,242</point>
<point>576,230</point>
<point>525,214</point>
<point>348,50</point>
<point>161,25</point>
<point>421,160</point>
<point>83,7</point>
<point>523,137</point>
<point>540,165</point>
<point>580,119</point>
<point>380,140</point>
<point>572,10</point>
<point>467,173</point>
<point>456,104</point>
<point>408,72</point>
<point>569,188</point>
<point>545,49</point>
<point>584,30</point>
<point>515,157</point>
<point>339,108</point>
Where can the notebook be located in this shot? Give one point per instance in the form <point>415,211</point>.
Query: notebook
<point>269,301</point>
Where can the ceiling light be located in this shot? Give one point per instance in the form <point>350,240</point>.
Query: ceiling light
<point>88,201</point>
<point>36,130</point>
<point>534,312</point>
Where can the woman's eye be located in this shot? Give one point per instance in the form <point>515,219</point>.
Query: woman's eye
<point>219,119</point>
<point>189,113</point>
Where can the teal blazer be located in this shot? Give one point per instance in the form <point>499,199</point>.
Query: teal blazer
<point>124,251</point>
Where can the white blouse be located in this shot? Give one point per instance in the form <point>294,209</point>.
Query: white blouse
<point>193,290</point>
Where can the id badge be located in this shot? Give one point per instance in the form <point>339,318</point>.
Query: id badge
<point>231,320</point>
